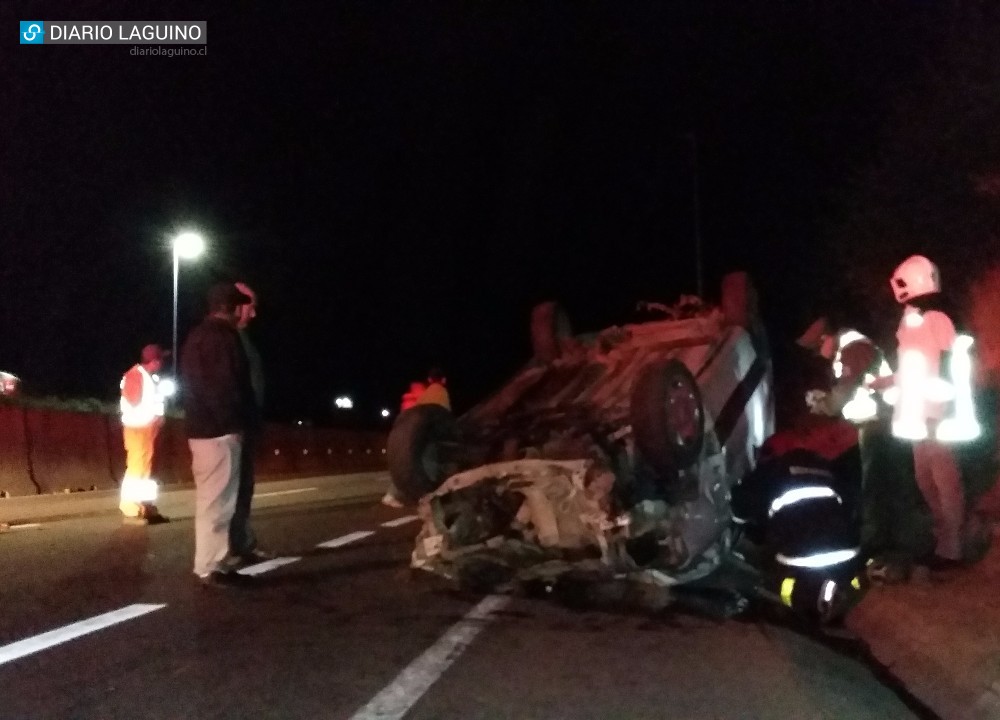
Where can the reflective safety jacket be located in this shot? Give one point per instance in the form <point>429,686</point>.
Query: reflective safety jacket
<point>411,396</point>
<point>141,401</point>
<point>855,366</point>
<point>932,396</point>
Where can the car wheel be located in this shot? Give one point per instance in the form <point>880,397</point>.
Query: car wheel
<point>418,449</point>
<point>668,416</point>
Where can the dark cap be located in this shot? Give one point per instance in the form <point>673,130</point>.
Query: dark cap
<point>226,295</point>
<point>152,353</point>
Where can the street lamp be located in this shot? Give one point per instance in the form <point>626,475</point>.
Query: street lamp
<point>187,245</point>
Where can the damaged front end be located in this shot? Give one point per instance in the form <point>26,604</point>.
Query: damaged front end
<point>608,459</point>
<point>513,524</point>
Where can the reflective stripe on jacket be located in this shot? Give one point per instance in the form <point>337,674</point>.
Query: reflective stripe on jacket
<point>932,397</point>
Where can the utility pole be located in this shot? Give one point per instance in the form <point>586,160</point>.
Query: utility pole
<point>696,206</point>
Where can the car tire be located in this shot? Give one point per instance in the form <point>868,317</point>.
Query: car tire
<point>664,394</point>
<point>550,331</point>
<point>418,448</point>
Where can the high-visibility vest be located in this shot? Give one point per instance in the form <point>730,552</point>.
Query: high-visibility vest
<point>932,398</point>
<point>862,405</point>
<point>150,405</point>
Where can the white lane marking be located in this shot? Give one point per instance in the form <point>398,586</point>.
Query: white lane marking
<point>284,492</point>
<point>400,521</point>
<point>346,539</point>
<point>19,649</point>
<point>267,565</point>
<point>25,526</point>
<point>396,699</point>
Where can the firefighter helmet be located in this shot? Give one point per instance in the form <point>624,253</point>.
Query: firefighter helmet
<point>915,276</point>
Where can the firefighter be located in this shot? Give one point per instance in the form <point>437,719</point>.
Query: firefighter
<point>932,397</point>
<point>855,362</point>
<point>142,407</point>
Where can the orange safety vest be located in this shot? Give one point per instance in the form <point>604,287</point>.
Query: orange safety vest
<point>141,403</point>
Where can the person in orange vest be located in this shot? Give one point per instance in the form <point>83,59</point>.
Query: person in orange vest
<point>410,400</point>
<point>433,393</point>
<point>411,396</point>
<point>931,394</point>
<point>142,408</point>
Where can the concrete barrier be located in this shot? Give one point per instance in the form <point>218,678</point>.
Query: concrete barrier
<point>15,472</point>
<point>69,450</point>
<point>46,451</point>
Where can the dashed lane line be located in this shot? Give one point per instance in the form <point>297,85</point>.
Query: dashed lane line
<point>396,699</point>
<point>346,539</point>
<point>399,521</point>
<point>31,645</point>
<point>267,565</point>
<point>284,492</point>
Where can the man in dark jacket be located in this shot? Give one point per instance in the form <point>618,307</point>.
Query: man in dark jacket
<point>219,409</point>
<point>243,549</point>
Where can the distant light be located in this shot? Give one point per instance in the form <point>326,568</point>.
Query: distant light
<point>299,422</point>
<point>385,413</point>
<point>168,388</point>
<point>189,245</point>
<point>344,402</point>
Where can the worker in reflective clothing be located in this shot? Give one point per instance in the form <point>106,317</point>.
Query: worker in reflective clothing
<point>856,361</point>
<point>411,396</point>
<point>142,407</point>
<point>932,396</point>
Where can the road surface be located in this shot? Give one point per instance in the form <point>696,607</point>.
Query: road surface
<point>99,620</point>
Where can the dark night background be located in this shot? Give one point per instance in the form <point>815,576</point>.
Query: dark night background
<point>401,182</point>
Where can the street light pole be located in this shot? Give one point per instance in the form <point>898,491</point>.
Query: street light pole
<point>187,245</point>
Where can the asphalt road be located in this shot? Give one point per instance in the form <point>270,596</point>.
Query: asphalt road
<point>348,632</point>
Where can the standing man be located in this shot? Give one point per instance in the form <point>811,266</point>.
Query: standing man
<point>243,548</point>
<point>931,394</point>
<point>142,409</point>
<point>220,409</point>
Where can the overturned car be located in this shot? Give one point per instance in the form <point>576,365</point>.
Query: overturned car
<point>613,461</point>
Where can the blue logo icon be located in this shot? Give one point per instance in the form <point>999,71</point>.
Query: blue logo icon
<point>32,32</point>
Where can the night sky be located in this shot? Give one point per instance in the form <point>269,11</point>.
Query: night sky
<point>401,182</point>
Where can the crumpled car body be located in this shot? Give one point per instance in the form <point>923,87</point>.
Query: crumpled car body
<point>611,453</point>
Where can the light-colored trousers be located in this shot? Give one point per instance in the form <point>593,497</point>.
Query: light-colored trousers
<point>140,442</point>
<point>941,485</point>
<point>137,486</point>
<point>215,463</point>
